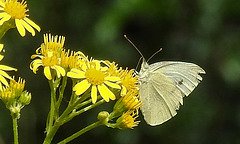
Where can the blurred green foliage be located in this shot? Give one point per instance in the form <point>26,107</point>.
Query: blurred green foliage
<point>205,32</point>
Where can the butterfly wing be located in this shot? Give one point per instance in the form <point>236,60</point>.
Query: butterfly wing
<point>185,75</point>
<point>163,91</point>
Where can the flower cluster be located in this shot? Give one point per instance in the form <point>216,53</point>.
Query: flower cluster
<point>96,78</point>
<point>14,12</point>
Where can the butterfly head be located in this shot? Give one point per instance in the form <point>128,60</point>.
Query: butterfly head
<point>144,71</point>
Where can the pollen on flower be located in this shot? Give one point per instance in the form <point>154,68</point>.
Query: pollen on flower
<point>94,76</point>
<point>16,9</point>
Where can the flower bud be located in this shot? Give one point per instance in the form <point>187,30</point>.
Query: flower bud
<point>25,98</point>
<point>103,117</point>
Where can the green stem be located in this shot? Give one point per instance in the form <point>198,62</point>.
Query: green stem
<point>72,104</point>
<point>5,27</point>
<point>15,129</point>
<point>52,107</point>
<point>72,115</point>
<point>82,131</point>
<point>51,133</point>
<point>63,86</point>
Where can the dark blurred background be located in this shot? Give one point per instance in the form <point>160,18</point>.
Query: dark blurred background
<point>204,32</point>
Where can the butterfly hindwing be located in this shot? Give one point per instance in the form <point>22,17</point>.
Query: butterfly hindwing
<point>160,99</point>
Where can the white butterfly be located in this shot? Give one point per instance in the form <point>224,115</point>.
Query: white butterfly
<point>163,86</point>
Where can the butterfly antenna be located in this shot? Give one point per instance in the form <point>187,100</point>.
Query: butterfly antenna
<point>138,63</point>
<point>154,54</point>
<point>134,46</point>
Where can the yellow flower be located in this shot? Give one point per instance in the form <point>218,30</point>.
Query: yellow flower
<point>52,44</point>
<point>49,62</point>
<point>49,55</point>
<point>12,9</point>
<point>131,100</point>
<point>129,80</point>
<point>71,59</point>
<point>3,74</point>
<point>96,77</point>
<point>13,91</point>
<point>127,120</point>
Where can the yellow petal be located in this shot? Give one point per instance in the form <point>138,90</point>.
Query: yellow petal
<point>1,57</point>
<point>35,64</point>
<point>20,27</point>
<point>1,87</point>
<point>104,68</point>
<point>35,67</point>
<point>81,87</point>
<point>3,14</point>
<point>113,85</point>
<point>47,73</point>
<point>84,66</point>
<point>97,64</point>
<point>7,68</point>
<point>35,55</point>
<point>3,80</point>
<point>5,17</point>
<point>60,70</point>
<point>106,93</point>
<point>123,91</point>
<point>1,47</point>
<point>94,94</point>
<point>28,27</point>
<point>112,78</point>
<point>32,24</point>
<point>2,3</point>
<point>75,73</point>
<point>3,73</point>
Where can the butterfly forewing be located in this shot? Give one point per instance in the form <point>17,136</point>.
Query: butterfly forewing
<point>163,86</point>
<point>184,75</point>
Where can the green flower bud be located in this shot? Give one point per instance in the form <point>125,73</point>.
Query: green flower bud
<point>25,98</point>
<point>103,117</point>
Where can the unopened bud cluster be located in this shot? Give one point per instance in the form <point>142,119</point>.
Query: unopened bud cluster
<point>14,96</point>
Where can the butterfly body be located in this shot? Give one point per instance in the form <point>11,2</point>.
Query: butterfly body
<point>163,86</point>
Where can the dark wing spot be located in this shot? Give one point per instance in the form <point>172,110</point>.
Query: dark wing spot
<point>180,82</point>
